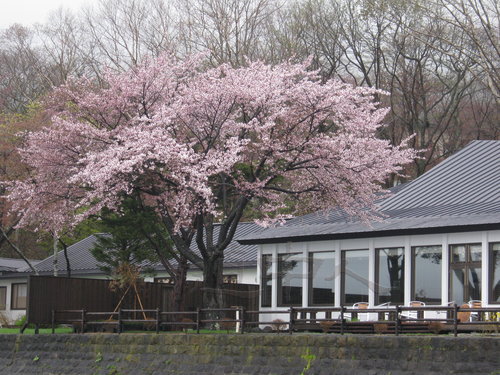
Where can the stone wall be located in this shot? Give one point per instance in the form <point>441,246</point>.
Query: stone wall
<point>273,354</point>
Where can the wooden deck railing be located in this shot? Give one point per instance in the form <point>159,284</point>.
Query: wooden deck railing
<point>396,319</point>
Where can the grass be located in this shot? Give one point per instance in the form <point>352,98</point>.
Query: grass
<point>31,331</point>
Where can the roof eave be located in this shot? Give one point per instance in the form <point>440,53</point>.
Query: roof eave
<point>369,234</point>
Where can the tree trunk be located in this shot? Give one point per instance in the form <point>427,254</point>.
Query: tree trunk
<point>212,283</point>
<point>54,259</point>
<point>180,284</point>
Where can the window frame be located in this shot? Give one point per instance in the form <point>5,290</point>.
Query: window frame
<point>491,273</point>
<point>280,282</point>
<point>343,274</point>
<point>264,278</point>
<point>3,306</point>
<point>13,302</point>
<point>310,277</point>
<point>413,272</point>
<point>465,266</point>
<point>377,275</point>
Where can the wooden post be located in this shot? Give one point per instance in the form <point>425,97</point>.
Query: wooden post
<point>119,320</point>
<point>291,319</point>
<point>157,320</point>
<point>198,320</point>
<point>242,319</point>
<point>455,320</point>
<point>397,319</point>
<point>342,310</point>
<point>53,321</point>
<point>82,329</point>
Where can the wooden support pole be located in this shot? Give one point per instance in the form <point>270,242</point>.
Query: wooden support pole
<point>157,320</point>
<point>242,319</point>
<point>398,319</point>
<point>342,319</point>
<point>198,320</point>
<point>455,319</point>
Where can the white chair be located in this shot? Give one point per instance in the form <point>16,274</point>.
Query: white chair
<point>475,315</point>
<point>363,317</point>
<point>383,316</point>
<point>444,314</point>
<point>414,314</point>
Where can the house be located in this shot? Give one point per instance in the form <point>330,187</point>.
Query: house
<point>13,293</point>
<point>437,241</point>
<point>239,267</point>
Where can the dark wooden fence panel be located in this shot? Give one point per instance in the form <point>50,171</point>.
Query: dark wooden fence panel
<point>47,293</point>
<point>246,295</point>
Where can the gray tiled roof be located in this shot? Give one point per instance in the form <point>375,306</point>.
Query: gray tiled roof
<point>461,193</point>
<point>11,264</point>
<point>82,261</point>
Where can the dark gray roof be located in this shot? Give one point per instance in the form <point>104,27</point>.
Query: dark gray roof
<point>82,261</point>
<point>461,193</point>
<point>11,264</point>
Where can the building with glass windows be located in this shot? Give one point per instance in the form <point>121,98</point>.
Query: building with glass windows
<point>437,242</point>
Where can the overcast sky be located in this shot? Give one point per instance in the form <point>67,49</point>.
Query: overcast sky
<point>27,12</point>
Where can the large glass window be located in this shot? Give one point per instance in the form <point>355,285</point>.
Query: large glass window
<point>322,278</point>
<point>290,275</point>
<point>266,281</point>
<point>465,273</point>
<point>355,276</point>
<point>19,296</point>
<point>3,297</point>
<point>389,283</point>
<point>495,273</point>
<point>426,268</point>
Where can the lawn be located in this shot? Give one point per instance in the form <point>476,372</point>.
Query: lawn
<point>31,331</point>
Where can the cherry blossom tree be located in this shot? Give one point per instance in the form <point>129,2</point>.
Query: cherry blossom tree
<point>199,145</point>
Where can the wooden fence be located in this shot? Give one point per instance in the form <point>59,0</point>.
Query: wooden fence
<point>49,293</point>
<point>397,320</point>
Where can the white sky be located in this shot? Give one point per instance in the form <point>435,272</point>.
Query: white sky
<point>28,12</point>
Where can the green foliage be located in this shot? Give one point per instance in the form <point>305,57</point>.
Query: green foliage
<point>31,331</point>
<point>98,357</point>
<point>130,236</point>
<point>20,322</point>
<point>309,358</point>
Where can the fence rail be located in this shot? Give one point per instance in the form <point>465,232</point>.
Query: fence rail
<point>394,319</point>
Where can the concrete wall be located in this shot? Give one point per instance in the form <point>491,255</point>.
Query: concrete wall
<point>298,354</point>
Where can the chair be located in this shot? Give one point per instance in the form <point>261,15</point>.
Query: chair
<point>384,315</point>
<point>360,316</point>
<point>414,314</point>
<point>475,315</point>
<point>445,314</point>
<point>464,315</point>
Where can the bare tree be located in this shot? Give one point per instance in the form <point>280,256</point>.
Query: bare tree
<point>478,21</point>
<point>121,33</point>
<point>231,30</point>
<point>22,70</point>
<point>59,42</point>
